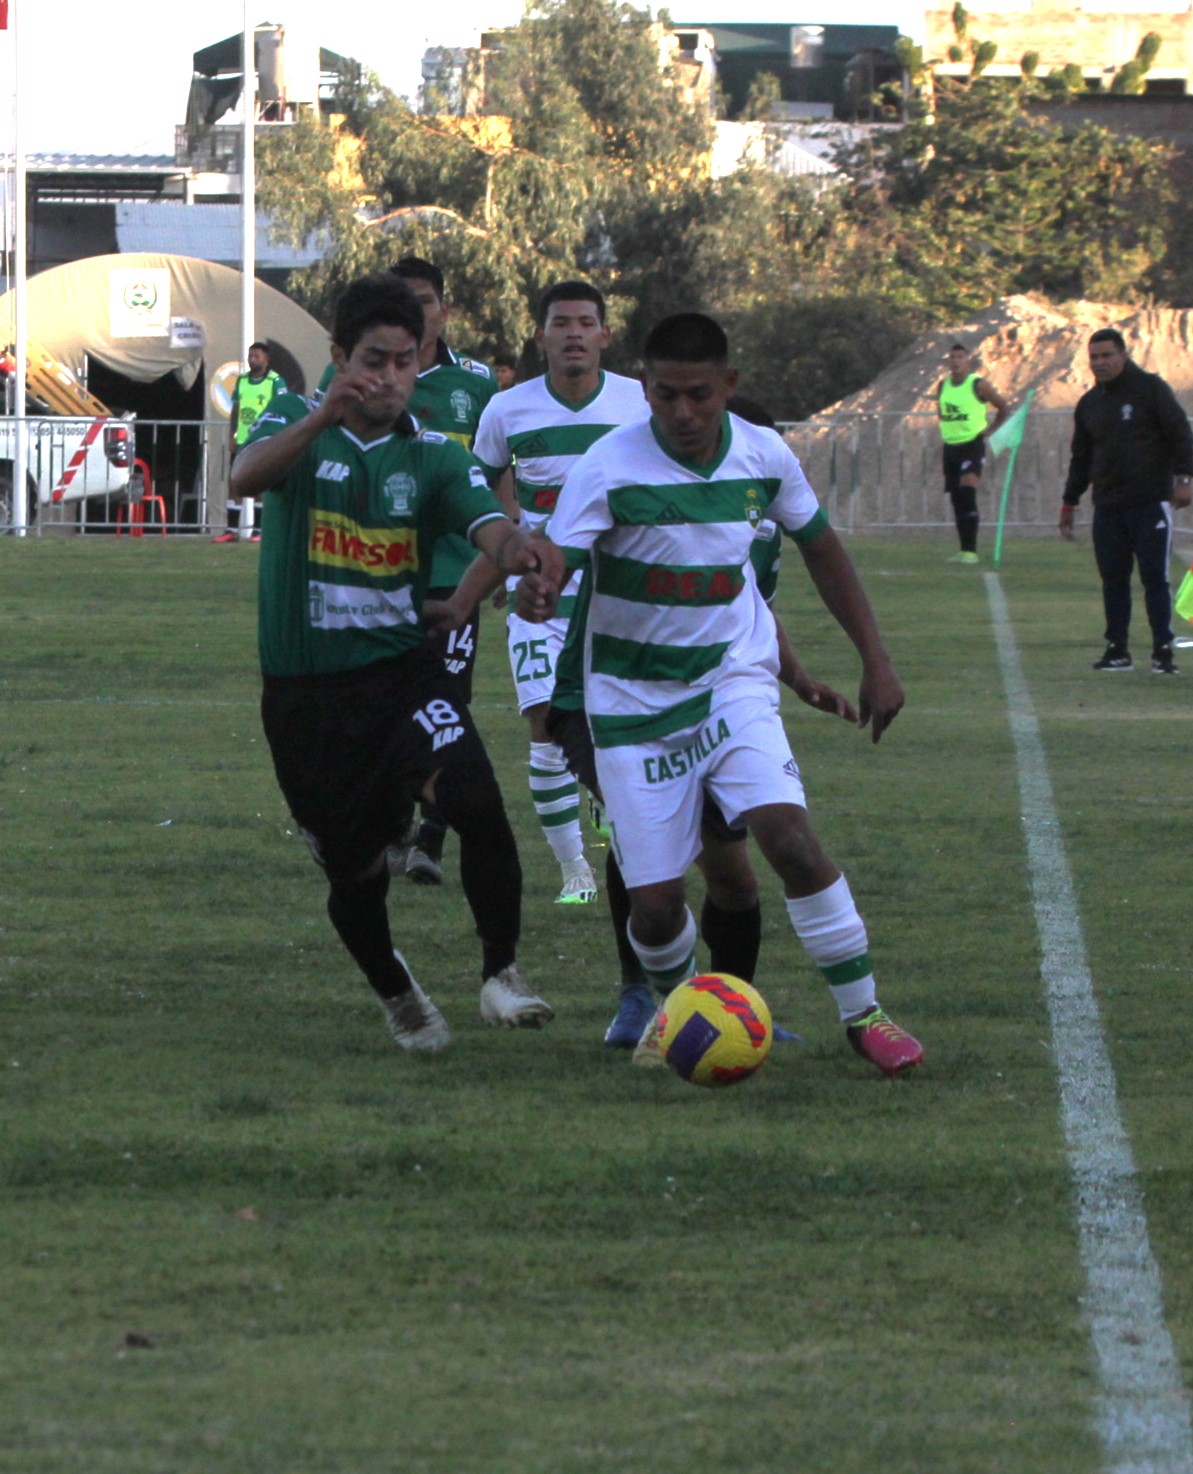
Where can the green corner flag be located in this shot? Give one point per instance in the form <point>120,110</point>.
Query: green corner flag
<point>1008,436</point>
<point>1183,603</point>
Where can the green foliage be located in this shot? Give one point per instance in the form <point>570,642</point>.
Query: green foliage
<point>988,200</point>
<point>1130,77</point>
<point>602,173</point>
<point>765,93</point>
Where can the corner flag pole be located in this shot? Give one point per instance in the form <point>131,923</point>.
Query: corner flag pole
<point>1008,437</point>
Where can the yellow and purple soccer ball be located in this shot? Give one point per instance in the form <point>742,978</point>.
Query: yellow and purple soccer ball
<point>714,1030</point>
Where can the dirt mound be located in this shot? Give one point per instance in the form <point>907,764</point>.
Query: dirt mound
<point>1023,344</point>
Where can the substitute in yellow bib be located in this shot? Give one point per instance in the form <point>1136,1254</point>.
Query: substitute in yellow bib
<point>963,401</point>
<point>254,393</point>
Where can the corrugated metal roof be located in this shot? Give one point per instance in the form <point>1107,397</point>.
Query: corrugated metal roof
<point>102,163</point>
<point>209,232</point>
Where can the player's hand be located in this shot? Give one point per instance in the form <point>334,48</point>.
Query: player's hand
<point>441,617</point>
<point>824,698</point>
<point>880,698</point>
<point>535,598</point>
<point>345,390</point>
<point>1065,524</point>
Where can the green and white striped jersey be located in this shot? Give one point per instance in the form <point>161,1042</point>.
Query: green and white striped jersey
<point>675,620</point>
<point>543,436</point>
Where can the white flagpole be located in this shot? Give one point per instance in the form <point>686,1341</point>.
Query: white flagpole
<point>20,462</point>
<point>248,222</point>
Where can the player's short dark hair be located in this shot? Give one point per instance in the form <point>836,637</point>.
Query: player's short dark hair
<point>687,337</point>
<point>264,347</point>
<point>953,347</point>
<point>505,360</point>
<point>378,300</point>
<point>1110,335</point>
<point>415,268</point>
<point>570,291</point>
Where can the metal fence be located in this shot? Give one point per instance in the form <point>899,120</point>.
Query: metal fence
<point>179,484</point>
<point>873,472</point>
<point>882,472</point>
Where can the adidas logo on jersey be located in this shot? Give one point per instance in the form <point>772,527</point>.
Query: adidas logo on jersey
<point>669,516</point>
<point>333,471</point>
<point>537,445</point>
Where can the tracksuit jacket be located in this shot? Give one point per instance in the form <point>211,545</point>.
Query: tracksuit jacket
<point>1130,438</point>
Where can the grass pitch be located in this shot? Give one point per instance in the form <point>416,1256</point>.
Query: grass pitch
<point>244,1233</point>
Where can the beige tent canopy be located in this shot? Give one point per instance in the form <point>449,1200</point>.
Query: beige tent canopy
<point>145,315</point>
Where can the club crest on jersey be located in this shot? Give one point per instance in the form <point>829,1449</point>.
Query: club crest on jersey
<point>754,506</point>
<point>398,493</point>
<point>461,404</point>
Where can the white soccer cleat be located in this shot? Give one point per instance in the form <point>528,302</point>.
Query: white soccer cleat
<point>507,1003</point>
<point>579,884</point>
<point>648,1051</point>
<point>415,1022</point>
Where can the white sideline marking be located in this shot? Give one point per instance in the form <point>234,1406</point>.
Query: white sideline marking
<point>1144,1418</point>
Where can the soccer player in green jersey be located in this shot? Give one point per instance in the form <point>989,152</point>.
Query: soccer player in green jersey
<point>450,394</point>
<point>356,704</point>
<point>681,666</point>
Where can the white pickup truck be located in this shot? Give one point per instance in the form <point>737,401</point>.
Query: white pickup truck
<point>67,459</point>
<point>75,447</point>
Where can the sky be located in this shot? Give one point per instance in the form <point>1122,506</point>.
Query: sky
<point>119,84</point>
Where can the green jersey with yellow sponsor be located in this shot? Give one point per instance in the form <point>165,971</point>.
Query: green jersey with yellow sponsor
<point>346,541</point>
<point>450,397</point>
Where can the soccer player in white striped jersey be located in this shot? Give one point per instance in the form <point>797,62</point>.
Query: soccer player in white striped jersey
<point>681,665</point>
<point>527,440</point>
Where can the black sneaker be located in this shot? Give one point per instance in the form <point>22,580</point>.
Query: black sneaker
<point>1117,657</point>
<point>1163,663</point>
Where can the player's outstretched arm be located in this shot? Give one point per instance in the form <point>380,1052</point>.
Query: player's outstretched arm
<point>481,578</point>
<point>809,690</point>
<point>880,694</point>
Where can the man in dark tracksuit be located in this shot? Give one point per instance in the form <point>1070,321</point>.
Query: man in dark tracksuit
<point>1132,441</point>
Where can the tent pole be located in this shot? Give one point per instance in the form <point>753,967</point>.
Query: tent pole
<point>248,218</point>
<point>20,478</point>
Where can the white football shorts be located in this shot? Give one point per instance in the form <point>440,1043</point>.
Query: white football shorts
<point>654,791</point>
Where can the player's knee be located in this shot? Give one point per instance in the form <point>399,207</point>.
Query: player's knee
<point>657,916</point>
<point>794,851</point>
<point>468,798</point>
<point>729,877</point>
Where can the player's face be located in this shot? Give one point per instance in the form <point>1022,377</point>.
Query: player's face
<point>258,361</point>
<point>1106,361</point>
<point>385,363</point>
<point>959,362</point>
<point>572,339</point>
<point>687,402</point>
<point>434,310</point>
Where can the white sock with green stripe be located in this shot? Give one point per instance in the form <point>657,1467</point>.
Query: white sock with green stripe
<point>674,962</point>
<point>556,796</point>
<point>834,936</point>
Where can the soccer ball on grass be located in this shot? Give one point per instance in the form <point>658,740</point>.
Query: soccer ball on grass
<point>714,1029</point>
